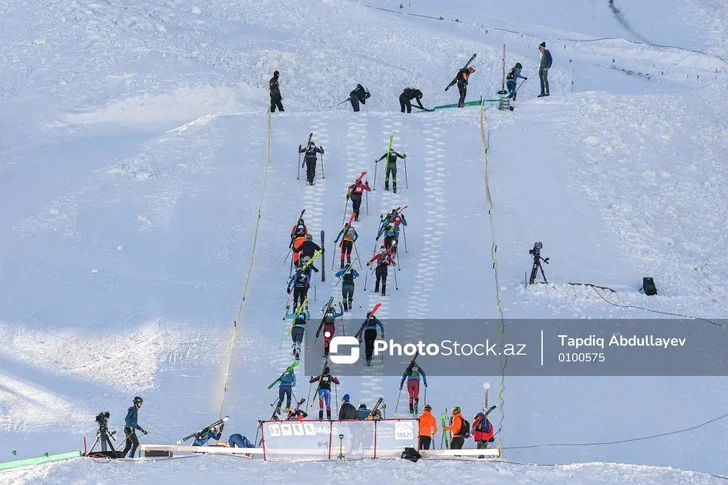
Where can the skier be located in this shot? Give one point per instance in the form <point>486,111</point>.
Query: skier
<point>296,253</point>
<point>347,286</point>
<point>307,249</point>
<point>213,433</point>
<point>407,96</point>
<point>482,432</point>
<point>428,427</point>
<point>239,441</point>
<point>412,374</point>
<point>456,438</point>
<point>300,282</point>
<point>329,326</point>
<point>298,230</point>
<point>390,231</point>
<point>131,426</point>
<point>347,411</point>
<point>390,167</point>
<point>324,391</point>
<point>362,413</point>
<point>462,77</point>
<point>511,79</point>
<point>383,259</point>
<point>285,390</point>
<point>310,160</point>
<point>275,93</point>
<point>347,243</point>
<point>368,330</point>
<point>355,192</point>
<point>358,95</point>
<point>544,64</point>
<point>298,328</point>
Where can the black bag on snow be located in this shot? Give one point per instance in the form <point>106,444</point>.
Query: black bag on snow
<point>411,454</point>
<point>648,286</point>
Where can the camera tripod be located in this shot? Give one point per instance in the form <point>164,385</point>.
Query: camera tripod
<point>104,437</point>
<point>536,252</point>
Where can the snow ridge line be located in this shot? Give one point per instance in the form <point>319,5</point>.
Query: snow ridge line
<point>234,337</point>
<point>494,254</point>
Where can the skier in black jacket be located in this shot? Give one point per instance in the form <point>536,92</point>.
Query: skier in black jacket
<point>307,249</point>
<point>462,77</point>
<point>359,95</point>
<point>275,93</point>
<point>310,160</point>
<point>407,96</point>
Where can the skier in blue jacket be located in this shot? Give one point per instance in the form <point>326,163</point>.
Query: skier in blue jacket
<point>131,426</point>
<point>298,328</point>
<point>285,390</point>
<point>213,433</point>
<point>511,79</point>
<point>368,331</point>
<point>347,285</point>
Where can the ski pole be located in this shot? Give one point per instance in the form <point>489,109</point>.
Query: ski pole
<point>357,257</point>
<point>406,183</point>
<point>358,296</point>
<point>298,173</point>
<point>396,285</point>
<point>323,167</point>
<point>343,219</point>
<point>333,257</point>
<point>290,250</point>
<point>376,164</point>
<point>336,393</point>
<point>367,196</point>
<point>404,231</point>
<point>366,276</point>
<point>397,405</point>
<point>308,400</point>
<point>399,264</point>
<point>425,394</point>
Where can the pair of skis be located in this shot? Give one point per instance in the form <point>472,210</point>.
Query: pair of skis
<point>205,430</point>
<point>371,313</point>
<point>455,79</point>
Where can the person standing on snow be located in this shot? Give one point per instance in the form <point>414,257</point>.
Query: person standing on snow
<point>405,99</point>
<point>298,328</point>
<point>329,327</point>
<point>358,95</point>
<point>347,411</point>
<point>544,64</point>
<point>299,230</point>
<point>324,391</point>
<point>428,427</point>
<point>456,437</point>
<point>511,79</point>
<point>131,426</point>
<point>383,259</point>
<point>309,159</point>
<point>285,390</point>
<point>307,250</point>
<point>390,167</point>
<point>482,432</point>
<point>355,192</point>
<point>368,330</point>
<point>275,93</point>
<point>347,243</point>
<point>300,282</point>
<point>347,286</point>
<point>462,77</point>
<point>412,374</point>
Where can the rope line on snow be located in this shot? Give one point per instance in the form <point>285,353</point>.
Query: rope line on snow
<point>598,39</point>
<point>250,270</point>
<point>628,440</point>
<point>494,255</point>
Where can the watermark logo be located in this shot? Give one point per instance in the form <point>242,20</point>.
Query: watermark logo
<point>343,358</point>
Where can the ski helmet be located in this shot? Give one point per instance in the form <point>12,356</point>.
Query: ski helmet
<point>428,407</point>
<point>309,237</point>
<point>518,65</point>
<point>326,370</point>
<point>138,399</point>
<point>300,221</point>
<point>456,409</point>
<point>472,69</point>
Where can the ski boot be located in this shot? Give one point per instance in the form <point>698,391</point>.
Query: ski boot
<point>417,405</point>
<point>356,216</point>
<point>342,264</point>
<point>328,414</point>
<point>376,288</point>
<point>321,415</point>
<point>293,349</point>
<point>348,260</point>
<point>386,185</point>
<point>394,187</point>
<point>412,408</point>
<point>369,362</point>
<point>346,307</point>
<point>350,303</point>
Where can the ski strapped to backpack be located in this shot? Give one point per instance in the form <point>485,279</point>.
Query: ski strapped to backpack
<point>204,430</point>
<point>301,309</point>
<point>324,310</point>
<point>370,314</point>
<point>323,261</point>
<point>373,412</point>
<point>288,369</point>
<point>455,79</point>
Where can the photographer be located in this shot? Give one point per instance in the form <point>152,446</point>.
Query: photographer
<point>130,427</point>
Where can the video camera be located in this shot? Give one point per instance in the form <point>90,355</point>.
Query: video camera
<point>536,251</point>
<point>103,419</point>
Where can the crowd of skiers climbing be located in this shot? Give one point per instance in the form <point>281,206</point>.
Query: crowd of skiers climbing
<point>359,95</point>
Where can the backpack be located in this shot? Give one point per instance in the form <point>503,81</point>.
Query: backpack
<point>465,428</point>
<point>648,286</point>
<point>411,454</point>
<point>512,74</point>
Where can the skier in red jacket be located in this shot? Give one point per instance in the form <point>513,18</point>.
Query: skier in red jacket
<point>482,432</point>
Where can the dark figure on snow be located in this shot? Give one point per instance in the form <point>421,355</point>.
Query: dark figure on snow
<point>307,249</point>
<point>329,327</point>
<point>405,99</point>
<point>130,428</point>
<point>390,168</point>
<point>298,328</point>
<point>285,390</point>
<point>213,433</point>
<point>324,391</point>
<point>299,230</point>
<point>383,259</point>
<point>511,79</point>
<point>350,236</point>
<point>299,282</point>
<point>347,285</point>
<point>309,159</point>
<point>355,192</point>
<point>412,375</point>
<point>368,330</point>
<point>359,95</point>
<point>347,411</point>
<point>544,64</point>
<point>275,93</point>
<point>462,77</point>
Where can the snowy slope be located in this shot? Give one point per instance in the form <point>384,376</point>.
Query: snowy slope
<point>133,164</point>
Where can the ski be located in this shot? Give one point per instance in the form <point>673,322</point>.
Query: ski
<point>389,152</point>
<point>455,79</point>
<point>443,422</point>
<point>323,319</point>
<point>204,430</point>
<point>290,245</point>
<point>375,408</point>
<point>489,410</point>
<point>288,369</point>
<point>308,263</point>
<point>323,261</point>
<point>371,314</point>
<point>346,268</point>
<point>296,410</point>
<point>308,145</point>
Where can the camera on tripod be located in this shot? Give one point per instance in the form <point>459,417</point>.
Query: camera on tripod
<point>537,259</point>
<point>104,437</point>
<point>103,419</point>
